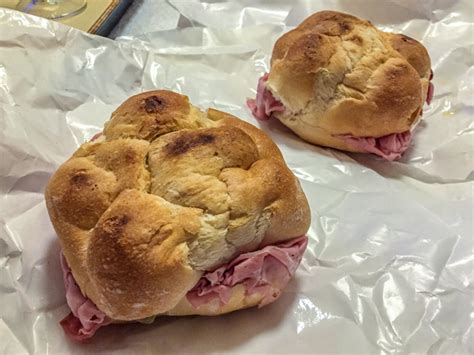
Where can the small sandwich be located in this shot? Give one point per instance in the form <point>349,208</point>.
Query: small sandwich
<point>337,81</point>
<point>174,211</point>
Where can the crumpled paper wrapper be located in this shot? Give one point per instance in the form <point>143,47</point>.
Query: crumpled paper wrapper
<point>389,267</point>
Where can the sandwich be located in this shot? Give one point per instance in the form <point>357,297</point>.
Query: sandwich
<point>173,211</point>
<point>337,81</point>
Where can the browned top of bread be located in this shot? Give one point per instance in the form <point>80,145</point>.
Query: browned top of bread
<point>337,74</point>
<point>165,194</point>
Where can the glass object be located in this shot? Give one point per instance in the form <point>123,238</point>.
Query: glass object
<point>52,9</point>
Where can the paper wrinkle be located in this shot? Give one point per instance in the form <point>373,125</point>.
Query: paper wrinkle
<point>389,263</point>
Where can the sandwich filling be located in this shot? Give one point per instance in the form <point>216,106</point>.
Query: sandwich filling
<point>265,103</point>
<point>266,271</point>
<point>389,147</point>
<point>85,318</point>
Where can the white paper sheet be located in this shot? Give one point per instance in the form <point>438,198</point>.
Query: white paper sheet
<point>389,268</point>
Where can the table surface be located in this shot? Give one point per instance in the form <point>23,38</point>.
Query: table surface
<point>146,16</point>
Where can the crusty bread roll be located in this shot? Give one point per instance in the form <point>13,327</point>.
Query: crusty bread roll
<point>166,194</point>
<point>338,76</point>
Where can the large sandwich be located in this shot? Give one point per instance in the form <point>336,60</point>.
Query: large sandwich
<point>174,211</point>
<point>338,81</point>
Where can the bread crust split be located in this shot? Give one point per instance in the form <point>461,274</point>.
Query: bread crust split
<point>338,75</point>
<point>168,193</point>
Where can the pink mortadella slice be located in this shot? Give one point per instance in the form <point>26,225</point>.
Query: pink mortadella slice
<point>85,318</point>
<point>265,103</point>
<point>390,147</point>
<point>266,271</point>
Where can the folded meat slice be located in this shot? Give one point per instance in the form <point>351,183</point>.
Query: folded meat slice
<point>265,103</point>
<point>390,147</point>
<point>266,271</point>
<point>85,318</point>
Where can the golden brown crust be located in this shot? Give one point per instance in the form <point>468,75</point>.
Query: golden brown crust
<point>337,74</point>
<point>169,193</point>
<point>413,51</point>
<point>266,147</point>
<point>137,255</point>
<point>152,114</point>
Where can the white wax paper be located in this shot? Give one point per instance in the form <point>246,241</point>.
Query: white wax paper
<point>389,267</point>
